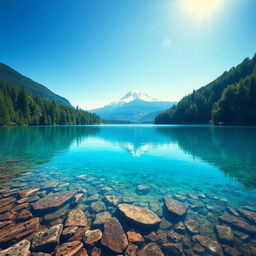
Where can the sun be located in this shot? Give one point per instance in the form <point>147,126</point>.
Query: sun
<point>200,8</point>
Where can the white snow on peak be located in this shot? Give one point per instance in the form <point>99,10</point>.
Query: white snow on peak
<point>134,95</point>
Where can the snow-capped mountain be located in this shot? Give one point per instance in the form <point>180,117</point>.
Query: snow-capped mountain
<point>135,106</point>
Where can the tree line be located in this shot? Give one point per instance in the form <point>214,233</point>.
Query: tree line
<point>199,106</point>
<point>19,107</point>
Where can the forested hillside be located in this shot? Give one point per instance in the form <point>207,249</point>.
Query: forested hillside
<point>197,108</point>
<point>20,107</point>
<point>237,104</point>
<point>16,79</point>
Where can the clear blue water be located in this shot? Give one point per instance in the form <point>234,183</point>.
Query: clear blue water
<point>182,161</point>
<point>218,160</point>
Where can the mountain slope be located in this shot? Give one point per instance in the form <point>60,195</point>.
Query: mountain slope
<point>135,106</point>
<point>14,78</point>
<point>196,108</point>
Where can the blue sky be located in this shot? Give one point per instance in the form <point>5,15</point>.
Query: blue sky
<point>94,51</point>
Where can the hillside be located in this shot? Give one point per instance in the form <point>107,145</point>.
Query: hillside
<point>196,108</point>
<point>14,78</point>
<point>20,107</point>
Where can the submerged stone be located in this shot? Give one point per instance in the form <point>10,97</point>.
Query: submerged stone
<point>28,192</point>
<point>113,236</point>
<point>48,239</point>
<point>97,206</point>
<point>68,232</point>
<point>15,232</point>
<point>143,189</point>
<point>192,225</point>
<point>101,218</point>
<point>69,249</point>
<point>50,185</point>
<point>151,249</point>
<point>92,236</point>
<point>19,249</point>
<point>238,223</point>
<point>111,199</point>
<point>224,234</point>
<point>249,215</point>
<point>53,201</point>
<point>138,215</point>
<point>76,218</point>
<point>209,244</point>
<point>175,208</point>
<point>135,238</point>
<point>174,236</point>
<point>174,249</point>
<point>131,250</point>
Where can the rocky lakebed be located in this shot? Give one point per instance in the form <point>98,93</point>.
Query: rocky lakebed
<point>45,212</point>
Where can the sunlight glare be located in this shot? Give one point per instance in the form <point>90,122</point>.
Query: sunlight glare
<point>200,8</point>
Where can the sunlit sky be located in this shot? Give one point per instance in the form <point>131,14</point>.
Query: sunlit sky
<point>93,52</point>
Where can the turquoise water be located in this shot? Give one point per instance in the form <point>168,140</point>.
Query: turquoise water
<point>214,166</point>
<point>219,160</point>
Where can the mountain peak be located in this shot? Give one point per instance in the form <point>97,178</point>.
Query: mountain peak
<point>133,95</point>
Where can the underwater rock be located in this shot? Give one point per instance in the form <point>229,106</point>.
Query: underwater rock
<point>92,198</point>
<point>209,244</point>
<point>24,214</point>
<point>249,215</point>
<point>15,232</point>
<point>76,218</point>
<point>134,237</point>
<point>111,199</point>
<point>47,240</point>
<point>53,201</point>
<point>192,226</point>
<point>232,210</point>
<point>142,189</point>
<point>101,218</point>
<point>68,232</point>
<point>151,249</point>
<point>224,234</point>
<point>127,200</point>
<point>131,250</point>
<point>230,251</point>
<point>28,192</point>
<point>97,207</point>
<point>92,236</point>
<point>77,198</point>
<point>6,201</point>
<point>57,214</point>
<point>174,249</point>
<point>165,224</point>
<point>50,185</point>
<point>78,236</point>
<point>8,216</point>
<point>138,215</point>
<point>69,249</point>
<point>40,254</point>
<point>174,236</point>
<point>152,236</point>
<point>113,236</point>
<point>175,208</point>
<point>95,251</point>
<point>198,249</point>
<point>180,227</point>
<point>19,207</point>
<point>19,249</point>
<point>238,223</point>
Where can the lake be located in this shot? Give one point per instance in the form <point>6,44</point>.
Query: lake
<point>212,170</point>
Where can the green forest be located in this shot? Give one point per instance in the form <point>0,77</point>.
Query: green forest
<point>230,99</point>
<point>20,107</point>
